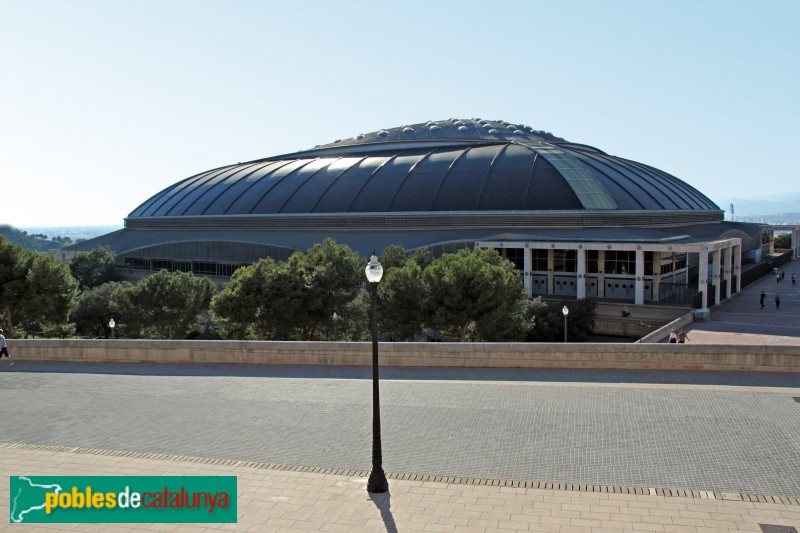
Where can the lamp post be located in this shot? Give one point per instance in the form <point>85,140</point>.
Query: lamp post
<point>335,318</point>
<point>377,478</point>
<point>565,310</point>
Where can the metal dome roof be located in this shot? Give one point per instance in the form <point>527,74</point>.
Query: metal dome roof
<point>438,166</point>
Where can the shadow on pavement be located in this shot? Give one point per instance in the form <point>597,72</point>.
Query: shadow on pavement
<point>672,377</point>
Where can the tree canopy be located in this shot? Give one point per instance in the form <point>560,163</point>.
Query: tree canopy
<point>33,288</point>
<point>165,305</point>
<point>94,268</point>
<point>294,298</point>
<point>473,286</point>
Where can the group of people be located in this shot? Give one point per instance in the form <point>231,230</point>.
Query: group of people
<point>780,276</point>
<point>678,336</point>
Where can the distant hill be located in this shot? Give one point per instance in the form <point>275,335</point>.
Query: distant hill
<point>762,206</point>
<point>76,233</point>
<point>32,241</point>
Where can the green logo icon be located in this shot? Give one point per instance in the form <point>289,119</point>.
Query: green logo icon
<point>122,499</point>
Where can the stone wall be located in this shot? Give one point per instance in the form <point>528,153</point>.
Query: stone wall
<point>493,355</point>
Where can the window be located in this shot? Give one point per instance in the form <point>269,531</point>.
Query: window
<point>539,260</point>
<point>620,262</point>
<point>516,256</point>
<point>592,261</point>
<point>565,260</point>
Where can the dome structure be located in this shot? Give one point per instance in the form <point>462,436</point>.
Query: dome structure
<point>575,221</point>
<point>446,166</point>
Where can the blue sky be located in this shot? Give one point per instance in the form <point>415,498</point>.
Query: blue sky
<point>104,103</point>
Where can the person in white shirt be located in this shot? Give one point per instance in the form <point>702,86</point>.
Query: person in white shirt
<point>4,349</point>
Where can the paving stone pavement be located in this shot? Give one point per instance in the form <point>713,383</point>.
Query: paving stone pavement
<point>692,430</point>
<point>740,319</point>
<point>271,500</point>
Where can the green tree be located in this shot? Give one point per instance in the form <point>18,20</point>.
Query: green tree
<point>474,286</point>
<point>165,305</point>
<point>94,268</point>
<point>547,324</point>
<point>249,301</point>
<point>422,257</point>
<point>402,294</point>
<point>294,299</point>
<point>94,309</point>
<point>329,276</point>
<point>783,241</point>
<point>33,288</point>
<point>393,256</point>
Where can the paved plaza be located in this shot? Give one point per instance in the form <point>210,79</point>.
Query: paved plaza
<point>467,450</point>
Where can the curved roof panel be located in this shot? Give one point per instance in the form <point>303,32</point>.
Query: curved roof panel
<point>444,166</point>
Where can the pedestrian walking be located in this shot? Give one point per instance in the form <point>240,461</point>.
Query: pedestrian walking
<point>778,301</point>
<point>763,297</point>
<point>794,279</point>
<point>4,349</point>
<point>777,278</point>
<point>673,337</point>
<point>682,337</point>
<point>783,274</point>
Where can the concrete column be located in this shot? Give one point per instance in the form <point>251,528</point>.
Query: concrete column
<point>715,257</point>
<point>656,276</point>
<point>527,269</point>
<point>551,263</point>
<point>601,277</point>
<point>581,279</point>
<point>727,273</point>
<point>795,243</point>
<point>771,242</point>
<point>638,297</point>
<point>737,266</point>
<point>702,278</point>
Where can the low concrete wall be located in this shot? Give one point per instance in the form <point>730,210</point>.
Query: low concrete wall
<point>663,332</point>
<point>491,355</point>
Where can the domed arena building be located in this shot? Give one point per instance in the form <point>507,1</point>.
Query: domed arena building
<point>576,221</point>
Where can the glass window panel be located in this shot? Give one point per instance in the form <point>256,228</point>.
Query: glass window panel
<point>590,192</point>
<point>640,189</point>
<point>539,262</point>
<point>592,263</point>
<point>549,191</point>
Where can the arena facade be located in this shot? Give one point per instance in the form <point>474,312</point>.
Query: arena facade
<point>576,221</point>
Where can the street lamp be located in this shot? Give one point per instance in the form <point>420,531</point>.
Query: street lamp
<point>377,478</point>
<point>335,318</point>
<point>565,310</point>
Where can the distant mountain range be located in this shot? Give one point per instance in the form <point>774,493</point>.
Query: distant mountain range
<point>786,205</point>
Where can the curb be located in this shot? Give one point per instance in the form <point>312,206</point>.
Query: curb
<point>576,487</point>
